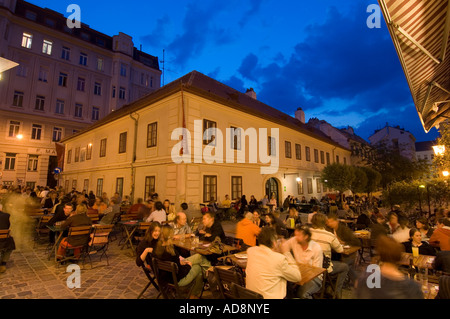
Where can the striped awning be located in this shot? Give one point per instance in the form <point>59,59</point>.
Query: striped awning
<point>420,32</point>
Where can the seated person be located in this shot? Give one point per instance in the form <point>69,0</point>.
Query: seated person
<point>99,205</point>
<point>147,245</point>
<point>416,241</point>
<point>398,229</point>
<point>315,210</point>
<point>424,227</point>
<point>212,228</point>
<point>272,222</point>
<point>442,261</point>
<point>292,219</point>
<point>7,245</point>
<point>305,251</point>
<point>226,203</point>
<point>135,207</point>
<point>257,220</point>
<point>364,220</point>
<point>247,230</point>
<point>329,242</point>
<point>268,270</point>
<point>180,226</point>
<point>51,201</point>
<point>441,235</point>
<point>393,284</point>
<point>159,215</point>
<point>63,211</point>
<point>110,212</point>
<point>78,219</point>
<point>189,270</point>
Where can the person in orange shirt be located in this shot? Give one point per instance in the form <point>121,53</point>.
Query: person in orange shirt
<point>247,230</point>
<point>441,236</point>
<point>100,206</point>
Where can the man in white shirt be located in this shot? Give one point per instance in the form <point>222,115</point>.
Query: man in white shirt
<point>306,251</point>
<point>268,270</point>
<point>159,215</point>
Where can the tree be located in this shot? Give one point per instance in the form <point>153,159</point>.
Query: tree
<point>359,183</point>
<point>373,180</point>
<point>442,162</point>
<point>338,177</point>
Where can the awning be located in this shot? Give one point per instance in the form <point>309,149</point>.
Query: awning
<point>6,64</point>
<point>420,32</point>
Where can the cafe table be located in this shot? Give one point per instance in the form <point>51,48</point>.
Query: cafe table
<point>129,227</point>
<point>199,246</point>
<point>308,272</point>
<point>56,229</point>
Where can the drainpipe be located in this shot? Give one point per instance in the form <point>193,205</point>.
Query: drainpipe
<point>133,160</point>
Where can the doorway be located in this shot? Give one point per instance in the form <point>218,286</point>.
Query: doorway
<point>272,189</point>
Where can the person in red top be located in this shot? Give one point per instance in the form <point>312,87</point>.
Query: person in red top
<point>441,236</point>
<point>247,230</point>
<point>135,207</point>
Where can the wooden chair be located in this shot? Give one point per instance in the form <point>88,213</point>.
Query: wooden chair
<point>100,241</point>
<point>239,292</point>
<point>238,243</point>
<point>140,232</point>
<point>225,278</point>
<point>169,287</point>
<point>41,230</point>
<point>150,274</point>
<point>81,231</point>
<point>93,215</point>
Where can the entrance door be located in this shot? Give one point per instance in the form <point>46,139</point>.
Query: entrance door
<point>272,189</point>
<point>52,164</point>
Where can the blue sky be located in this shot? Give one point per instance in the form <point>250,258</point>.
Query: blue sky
<point>319,55</point>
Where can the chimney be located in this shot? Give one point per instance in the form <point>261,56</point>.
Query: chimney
<point>251,93</point>
<point>300,115</point>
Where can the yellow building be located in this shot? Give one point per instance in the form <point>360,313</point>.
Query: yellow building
<point>135,150</point>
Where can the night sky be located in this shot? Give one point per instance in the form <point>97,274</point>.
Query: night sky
<point>319,55</point>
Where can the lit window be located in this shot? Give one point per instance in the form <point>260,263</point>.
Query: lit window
<point>14,127</point>
<point>27,39</point>
<point>47,47</point>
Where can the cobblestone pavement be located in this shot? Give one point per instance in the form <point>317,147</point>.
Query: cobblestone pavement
<point>30,275</point>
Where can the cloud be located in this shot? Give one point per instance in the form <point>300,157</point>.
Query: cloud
<point>157,37</point>
<point>255,6</point>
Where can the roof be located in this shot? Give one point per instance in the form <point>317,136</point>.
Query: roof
<point>425,146</point>
<point>420,32</point>
<point>204,86</point>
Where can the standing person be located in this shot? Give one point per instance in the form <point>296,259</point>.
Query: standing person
<point>144,211</point>
<point>7,245</point>
<point>268,270</point>
<point>265,201</point>
<point>393,284</point>
<point>252,204</point>
<point>415,240</point>
<point>306,251</point>
<point>247,230</point>
<point>329,242</point>
<point>158,215</point>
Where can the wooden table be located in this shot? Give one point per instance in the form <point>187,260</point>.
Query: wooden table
<point>130,227</point>
<point>308,272</point>
<point>423,261</point>
<point>201,247</point>
<point>362,235</point>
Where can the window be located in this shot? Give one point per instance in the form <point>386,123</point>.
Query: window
<point>31,185</point>
<point>10,161</point>
<point>74,184</point>
<point>309,185</point>
<point>83,154</point>
<point>271,146</point>
<point>119,186</point>
<point>50,22</point>
<point>300,187</point>
<point>103,147</point>
<point>31,15</point>
<point>99,64</point>
<point>21,70</point>
<point>32,163</point>
<point>122,93</point>
<point>209,188</point>
<point>152,134</point>
<point>77,154</point>
<point>89,152</point>
<point>236,187</point>
<point>97,88</point>
<point>18,99</point>
<point>113,94</point>
<point>123,69</point>
<point>298,151</point>
<point>14,127</point>
<point>59,107</point>
<point>316,155</point>
<point>287,149</point>
<point>99,187</point>
<point>62,81</point>
<point>78,110</point>
<point>43,74</point>
<point>210,135</point>
<point>69,156</point>
<point>235,137</point>
<point>65,53</point>
<point>308,153</point>
<point>322,157</point>
<point>122,142</point>
<point>345,160</point>
<point>36,131</point>
<point>27,39</point>
<point>83,59</point>
<point>85,36</point>
<point>86,185</point>
<point>95,113</point>
<point>318,183</point>
<point>337,159</point>
<point>149,186</point>
<point>47,47</point>
<point>40,101</point>
<point>328,158</point>
<point>81,84</point>
<point>57,134</point>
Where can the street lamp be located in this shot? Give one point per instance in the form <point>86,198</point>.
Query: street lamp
<point>19,136</point>
<point>439,150</point>
<point>445,173</point>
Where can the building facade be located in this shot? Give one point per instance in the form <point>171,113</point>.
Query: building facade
<point>67,79</point>
<point>361,151</point>
<point>397,139</point>
<point>155,144</point>
<point>425,152</point>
